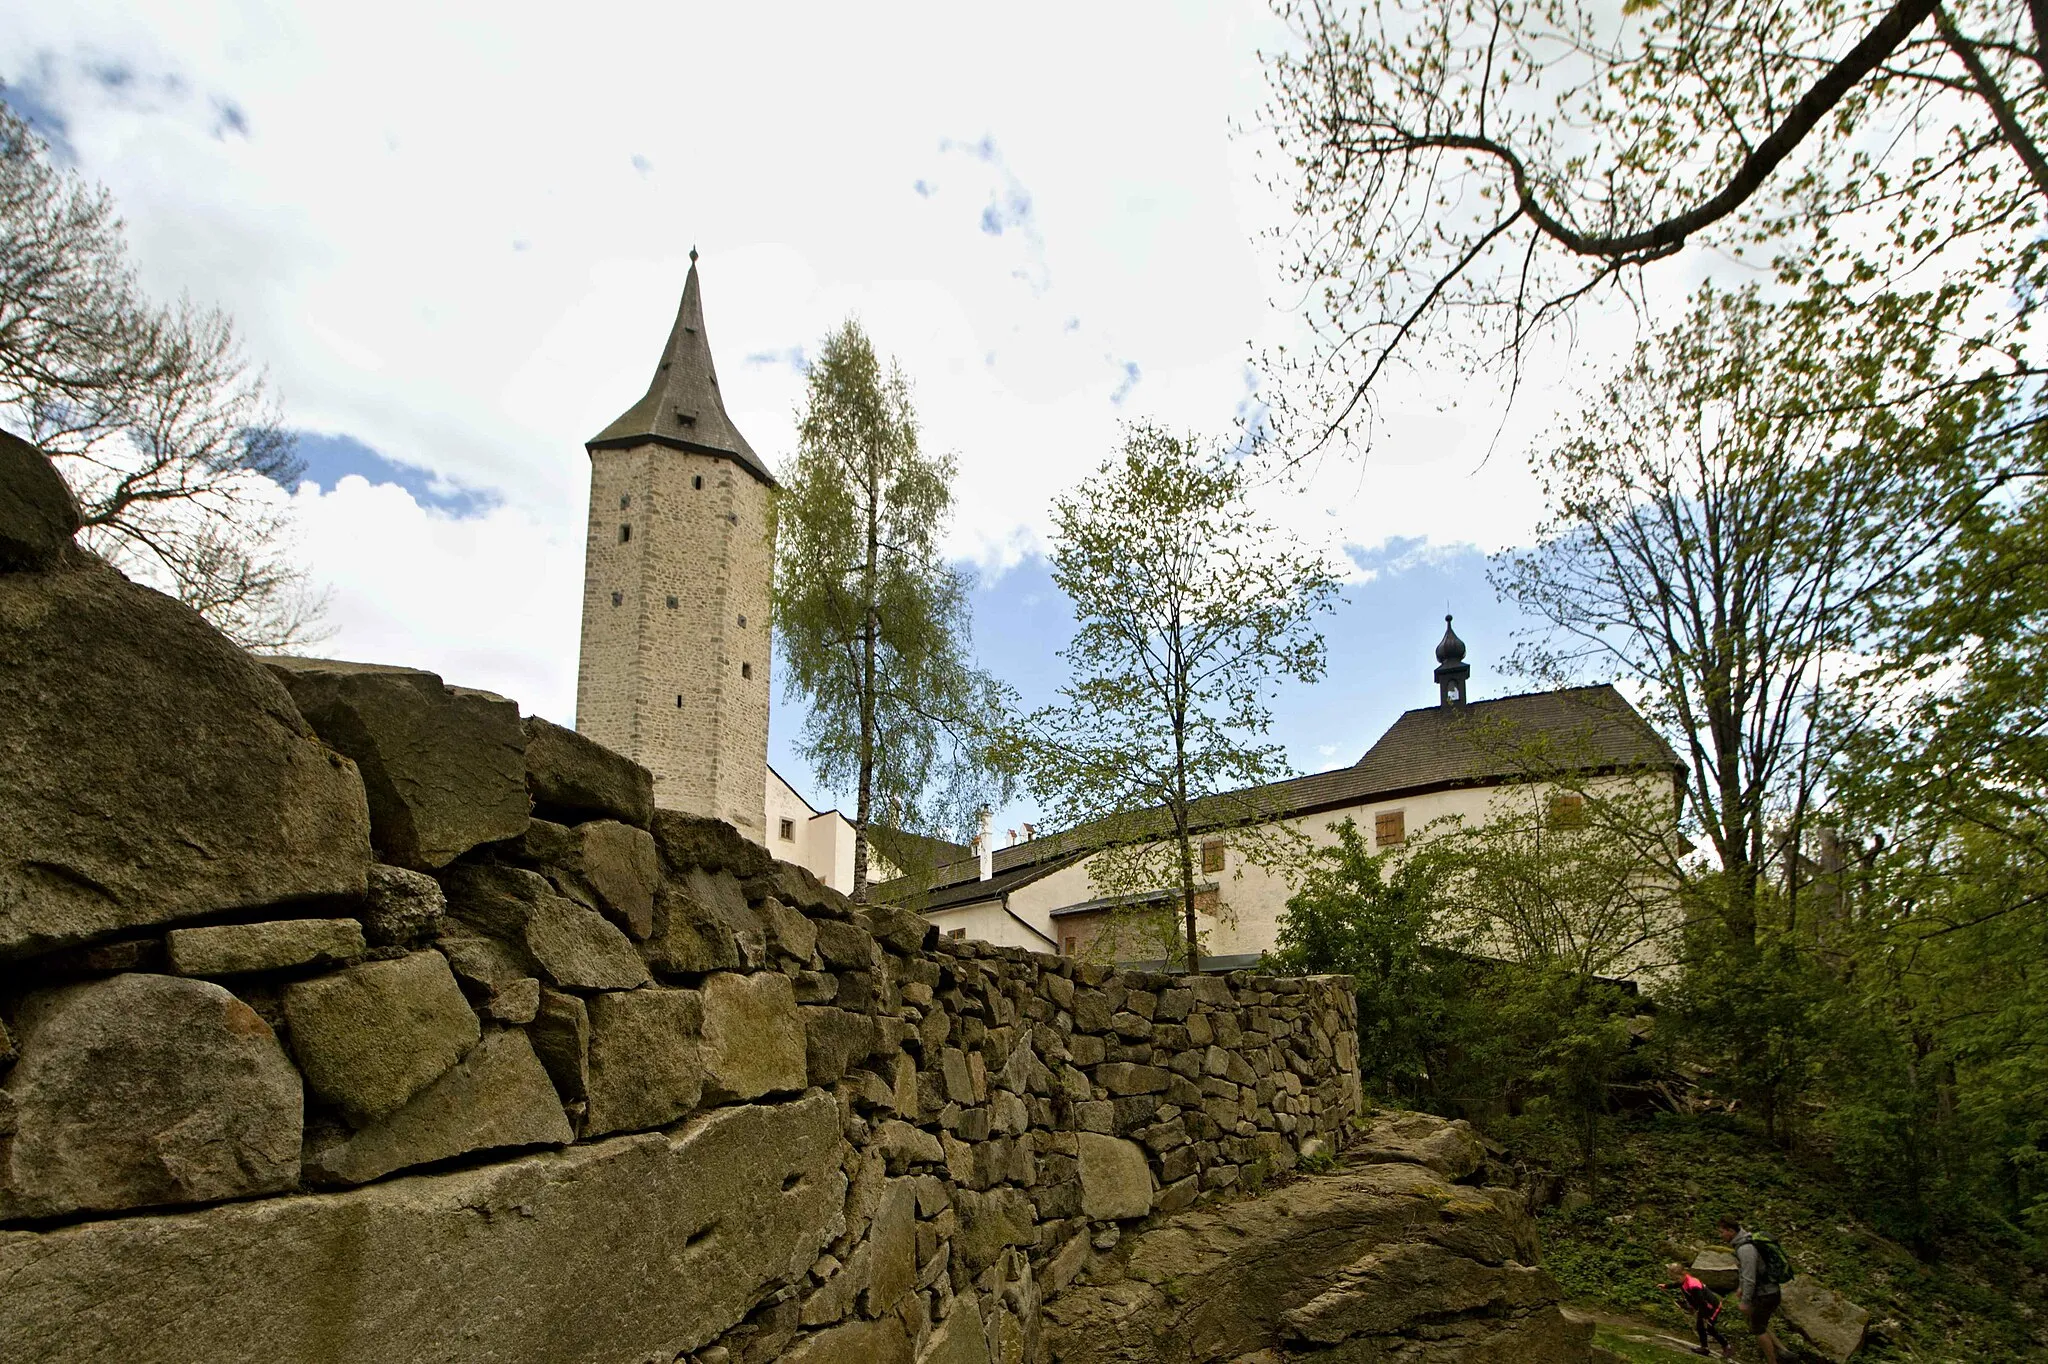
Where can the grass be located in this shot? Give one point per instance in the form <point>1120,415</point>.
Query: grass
<point>1667,1179</point>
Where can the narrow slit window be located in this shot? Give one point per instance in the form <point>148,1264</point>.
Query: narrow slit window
<point>679,703</point>
<point>625,533</point>
<point>618,599</point>
<point>697,482</point>
<point>746,670</point>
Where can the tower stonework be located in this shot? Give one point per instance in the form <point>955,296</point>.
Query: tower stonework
<point>675,653</point>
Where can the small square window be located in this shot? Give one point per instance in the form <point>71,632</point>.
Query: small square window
<point>743,622</point>
<point>618,599</point>
<point>1567,811</point>
<point>672,602</point>
<point>956,933</point>
<point>625,533</point>
<point>1069,948</point>
<point>1390,827</point>
<point>746,670</point>
<point>1207,901</point>
<point>789,830</point>
<point>1212,855</point>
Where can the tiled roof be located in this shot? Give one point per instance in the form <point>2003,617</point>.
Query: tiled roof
<point>682,407</point>
<point>1573,730</point>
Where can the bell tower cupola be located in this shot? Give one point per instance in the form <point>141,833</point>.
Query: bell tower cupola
<point>1452,671</point>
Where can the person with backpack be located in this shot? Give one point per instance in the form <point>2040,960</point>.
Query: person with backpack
<point>1704,1304</point>
<point>1762,1269</point>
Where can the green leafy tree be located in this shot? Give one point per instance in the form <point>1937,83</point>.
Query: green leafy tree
<point>166,434</point>
<point>873,621</point>
<point>1382,918</point>
<point>1190,609</point>
<point>1464,177</point>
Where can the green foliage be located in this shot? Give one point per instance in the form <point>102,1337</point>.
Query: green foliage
<point>1190,611</point>
<point>872,620</point>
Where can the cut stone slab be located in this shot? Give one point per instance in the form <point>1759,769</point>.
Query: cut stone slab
<point>445,767</point>
<point>1116,1182</point>
<point>892,1258</point>
<point>561,1039</point>
<point>623,1250</point>
<point>573,945</point>
<point>498,1096</point>
<point>370,1037</point>
<point>404,908</point>
<point>38,515</point>
<point>152,772</point>
<point>753,1037</point>
<point>139,1090</point>
<point>645,1067</point>
<point>570,775</point>
<point>961,1338</point>
<point>281,944</point>
<point>1829,1322</point>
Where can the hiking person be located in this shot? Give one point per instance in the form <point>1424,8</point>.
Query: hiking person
<point>1704,1304</point>
<point>1762,1269</point>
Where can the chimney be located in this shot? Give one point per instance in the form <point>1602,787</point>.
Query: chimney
<point>985,846</point>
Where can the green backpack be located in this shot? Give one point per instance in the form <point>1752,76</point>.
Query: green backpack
<point>1773,1265</point>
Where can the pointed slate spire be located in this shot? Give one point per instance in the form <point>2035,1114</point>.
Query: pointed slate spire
<point>682,407</point>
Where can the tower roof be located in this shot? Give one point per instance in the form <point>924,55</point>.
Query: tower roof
<point>682,407</point>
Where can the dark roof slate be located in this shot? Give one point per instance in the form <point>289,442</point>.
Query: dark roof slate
<point>1575,729</point>
<point>682,407</point>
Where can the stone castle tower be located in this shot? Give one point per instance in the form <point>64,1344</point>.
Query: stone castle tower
<point>676,572</point>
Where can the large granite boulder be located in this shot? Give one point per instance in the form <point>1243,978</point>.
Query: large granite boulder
<point>1829,1322</point>
<point>445,767</point>
<point>497,1096</point>
<point>138,1090</point>
<point>38,515</point>
<point>572,944</point>
<point>151,772</point>
<point>642,1247</point>
<point>1376,1261</point>
<point>577,778</point>
<point>1450,1147</point>
<point>372,1036</point>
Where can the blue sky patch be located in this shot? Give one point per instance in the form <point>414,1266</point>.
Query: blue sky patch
<point>329,459</point>
<point>31,100</point>
<point>792,357</point>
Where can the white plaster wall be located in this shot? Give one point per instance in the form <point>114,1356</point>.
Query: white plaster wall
<point>986,922</point>
<point>1254,898</point>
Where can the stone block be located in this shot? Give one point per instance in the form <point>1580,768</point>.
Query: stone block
<point>495,1098</point>
<point>278,945</point>
<point>373,1035</point>
<point>961,1338</point>
<point>646,1065</point>
<point>892,1241</point>
<point>572,945</point>
<point>445,767</point>
<point>152,772</point>
<point>853,1342</point>
<point>38,515</point>
<point>790,931</point>
<point>694,842</point>
<point>753,1037</point>
<point>688,937</point>
<point>639,1247</point>
<point>1116,1182</point>
<point>903,1146</point>
<point>561,1039</point>
<point>1829,1322</point>
<point>139,1090</point>
<point>574,777</point>
<point>1123,1077</point>
<point>403,908</point>
<point>609,865</point>
<point>991,1222</point>
<point>898,929</point>
<point>834,1042</point>
<point>844,946</point>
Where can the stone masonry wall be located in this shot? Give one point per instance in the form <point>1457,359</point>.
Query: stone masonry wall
<point>345,1014</point>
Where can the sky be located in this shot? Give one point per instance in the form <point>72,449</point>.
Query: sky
<point>455,235</point>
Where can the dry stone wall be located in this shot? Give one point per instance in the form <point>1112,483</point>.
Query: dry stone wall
<point>345,1014</point>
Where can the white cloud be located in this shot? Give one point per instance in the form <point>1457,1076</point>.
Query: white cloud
<point>459,238</point>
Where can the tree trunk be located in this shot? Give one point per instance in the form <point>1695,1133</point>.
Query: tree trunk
<point>869,627</point>
<point>1180,801</point>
